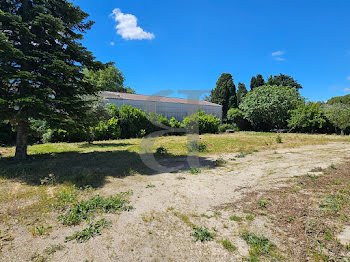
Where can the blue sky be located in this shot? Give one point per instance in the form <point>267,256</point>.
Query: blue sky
<point>185,45</point>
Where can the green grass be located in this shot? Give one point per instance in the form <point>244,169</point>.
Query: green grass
<point>93,230</point>
<point>228,245</point>
<point>236,218</point>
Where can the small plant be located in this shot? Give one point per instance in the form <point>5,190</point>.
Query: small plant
<point>348,247</point>
<point>142,133</point>
<point>150,186</point>
<point>197,146</point>
<point>279,139</point>
<point>336,182</point>
<point>332,166</point>
<point>40,230</point>
<point>93,230</point>
<point>194,171</point>
<point>66,197</point>
<point>290,219</point>
<point>202,234</point>
<point>53,249</point>
<point>236,218</point>
<point>250,217</point>
<point>220,162</point>
<point>262,203</point>
<point>161,150</point>
<point>228,245</point>
<point>332,203</point>
<point>49,180</point>
<point>85,209</point>
<point>259,245</point>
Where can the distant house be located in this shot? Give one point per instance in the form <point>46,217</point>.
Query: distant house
<point>166,106</point>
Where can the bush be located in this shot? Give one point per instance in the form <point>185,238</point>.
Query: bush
<point>202,123</point>
<point>236,118</point>
<point>161,150</point>
<point>197,146</point>
<point>224,127</point>
<point>107,129</point>
<point>174,123</point>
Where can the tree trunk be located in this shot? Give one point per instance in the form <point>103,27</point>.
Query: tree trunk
<point>21,140</point>
<point>342,132</point>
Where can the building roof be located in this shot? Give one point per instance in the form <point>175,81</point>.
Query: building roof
<point>126,96</point>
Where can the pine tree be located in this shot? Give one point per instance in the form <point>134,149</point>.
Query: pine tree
<point>252,83</point>
<point>41,64</point>
<point>283,80</point>
<point>256,82</point>
<point>225,93</point>
<point>241,92</point>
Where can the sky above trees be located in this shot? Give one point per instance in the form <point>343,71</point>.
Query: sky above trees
<point>182,45</point>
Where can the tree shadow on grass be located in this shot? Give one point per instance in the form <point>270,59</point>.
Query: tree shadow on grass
<point>83,169</point>
<point>103,145</point>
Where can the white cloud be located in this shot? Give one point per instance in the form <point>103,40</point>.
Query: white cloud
<point>277,55</point>
<point>127,26</point>
<point>346,89</point>
<point>112,43</point>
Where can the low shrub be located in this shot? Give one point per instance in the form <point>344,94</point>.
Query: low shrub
<point>224,127</point>
<point>197,146</point>
<point>201,123</point>
<point>161,150</point>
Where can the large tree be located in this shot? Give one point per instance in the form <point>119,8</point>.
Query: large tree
<point>339,99</point>
<point>256,81</point>
<point>241,92</point>
<point>41,64</point>
<point>283,80</point>
<point>268,107</point>
<point>108,79</point>
<point>225,93</point>
<point>339,115</point>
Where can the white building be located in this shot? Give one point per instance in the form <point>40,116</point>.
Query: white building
<point>166,106</point>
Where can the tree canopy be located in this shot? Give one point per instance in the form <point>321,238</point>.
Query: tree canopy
<point>267,107</point>
<point>339,115</point>
<point>108,79</point>
<point>241,92</point>
<point>225,93</point>
<point>41,64</point>
<point>256,81</point>
<point>283,80</point>
<point>339,99</point>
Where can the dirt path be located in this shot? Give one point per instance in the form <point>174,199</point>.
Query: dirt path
<point>160,226</point>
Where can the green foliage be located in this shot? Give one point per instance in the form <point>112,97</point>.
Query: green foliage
<point>236,218</point>
<point>279,139</point>
<point>220,162</point>
<point>42,60</point>
<point>202,234</point>
<point>107,79</point>
<point>225,93</point>
<point>256,82</point>
<point>202,123</point>
<point>339,99</point>
<point>241,92</point>
<point>194,171</point>
<point>93,230</point>
<point>259,245</point>
<point>84,210</point>
<point>308,118</point>
<point>197,146</point>
<point>338,115</point>
<point>236,117</point>
<point>226,243</point>
<point>224,127</point>
<point>174,123</point>
<point>283,80</point>
<point>107,129</point>
<point>267,107</point>
<point>262,203</point>
<point>161,150</point>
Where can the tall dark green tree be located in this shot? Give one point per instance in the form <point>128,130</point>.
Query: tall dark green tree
<point>241,92</point>
<point>41,64</point>
<point>283,80</point>
<point>256,81</point>
<point>225,93</point>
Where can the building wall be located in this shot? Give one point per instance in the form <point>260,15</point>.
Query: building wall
<point>169,110</point>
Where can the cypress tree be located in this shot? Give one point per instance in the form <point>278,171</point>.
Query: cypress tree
<point>241,92</point>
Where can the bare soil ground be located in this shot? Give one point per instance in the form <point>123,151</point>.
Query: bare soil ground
<point>167,206</point>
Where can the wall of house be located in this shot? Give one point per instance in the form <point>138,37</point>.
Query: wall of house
<point>169,110</point>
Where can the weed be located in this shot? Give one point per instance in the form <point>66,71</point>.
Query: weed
<point>290,219</point>
<point>236,218</point>
<point>262,203</point>
<point>93,230</point>
<point>202,234</point>
<point>161,150</point>
<point>66,197</point>
<point>317,169</point>
<point>244,154</point>
<point>53,249</point>
<point>220,162</point>
<point>170,209</point>
<point>332,203</point>
<point>228,245</point>
<point>184,218</point>
<point>49,180</point>
<point>259,245</point>
<point>194,171</point>
<point>348,247</point>
<point>150,186</point>
<point>40,230</point>
<point>195,146</point>
<point>38,258</point>
<point>85,209</point>
<point>250,217</point>
<point>206,216</point>
<point>332,166</point>
<point>336,182</point>
<point>279,139</point>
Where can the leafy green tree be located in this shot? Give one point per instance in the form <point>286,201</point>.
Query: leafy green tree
<point>268,107</point>
<point>283,80</point>
<point>225,93</point>
<point>108,79</point>
<point>308,118</point>
<point>241,92</point>
<point>236,117</point>
<point>339,99</point>
<point>204,122</point>
<point>256,81</point>
<point>41,64</point>
<point>339,115</point>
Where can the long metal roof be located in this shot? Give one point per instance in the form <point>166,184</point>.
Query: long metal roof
<point>127,96</point>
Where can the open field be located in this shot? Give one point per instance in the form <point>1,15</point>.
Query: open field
<point>252,198</point>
